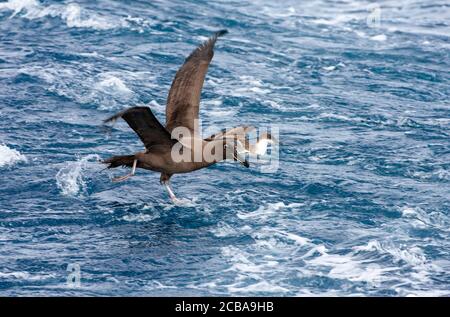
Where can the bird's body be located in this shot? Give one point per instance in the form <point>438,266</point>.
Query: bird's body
<point>161,160</point>
<point>178,146</point>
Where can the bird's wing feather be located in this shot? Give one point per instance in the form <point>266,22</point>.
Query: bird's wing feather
<point>147,127</point>
<point>184,95</point>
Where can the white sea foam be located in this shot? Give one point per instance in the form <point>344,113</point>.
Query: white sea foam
<point>250,272</point>
<point>24,276</point>
<point>413,256</point>
<point>339,19</point>
<point>108,90</point>
<point>49,75</point>
<point>251,84</point>
<point>275,12</point>
<point>215,102</point>
<point>247,87</point>
<point>18,275</point>
<point>220,114</point>
<point>258,287</point>
<point>92,54</point>
<point>154,284</point>
<point>154,105</point>
<point>424,293</point>
<point>278,240</point>
<point>421,219</point>
<point>140,217</point>
<point>329,68</point>
<point>265,211</point>
<point>296,238</point>
<point>440,174</point>
<point>273,104</point>
<point>252,265</point>
<point>408,211</point>
<point>9,157</point>
<point>319,249</point>
<point>72,14</point>
<point>421,269</point>
<point>112,85</point>
<point>379,38</point>
<point>361,33</point>
<point>18,5</point>
<point>327,115</point>
<point>242,261</point>
<point>349,267</point>
<point>224,230</point>
<point>247,271</point>
<point>69,179</point>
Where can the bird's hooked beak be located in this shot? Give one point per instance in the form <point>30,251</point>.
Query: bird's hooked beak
<point>242,159</point>
<point>239,156</point>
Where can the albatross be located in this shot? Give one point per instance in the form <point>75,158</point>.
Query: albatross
<point>178,147</point>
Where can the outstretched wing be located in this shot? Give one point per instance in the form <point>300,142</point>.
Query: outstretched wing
<point>147,127</point>
<point>184,95</point>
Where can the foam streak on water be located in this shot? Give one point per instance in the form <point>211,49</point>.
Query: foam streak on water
<point>10,156</point>
<point>359,205</point>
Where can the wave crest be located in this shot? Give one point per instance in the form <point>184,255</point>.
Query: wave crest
<point>72,14</point>
<point>10,156</point>
<point>69,179</point>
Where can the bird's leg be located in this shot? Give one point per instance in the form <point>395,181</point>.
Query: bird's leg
<point>164,180</point>
<point>171,194</point>
<point>122,178</point>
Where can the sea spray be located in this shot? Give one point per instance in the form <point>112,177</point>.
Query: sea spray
<point>69,179</point>
<point>9,157</point>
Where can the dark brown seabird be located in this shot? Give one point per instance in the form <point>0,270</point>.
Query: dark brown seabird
<point>182,112</point>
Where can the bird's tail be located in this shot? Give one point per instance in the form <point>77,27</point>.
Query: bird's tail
<point>121,160</point>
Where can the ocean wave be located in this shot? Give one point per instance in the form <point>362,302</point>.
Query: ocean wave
<point>9,157</point>
<point>72,14</point>
<point>225,230</point>
<point>154,284</point>
<point>112,85</point>
<point>346,266</point>
<point>255,288</point>
<point>252,85</point>
<point>411,282</point>
<point>263,212</point>
<point>24,276</point>
<point>439,174</point>
<point>75,16</point>
<point>140,217</point>
<point>422,219</point>
<point>18,5</point>
<point>250,272</point>
<point>107,90</point>
<point>243,261</point>
<point>69,179</point>
<point>248,86</point>
<point>379,38</point>
<point>413,256</point>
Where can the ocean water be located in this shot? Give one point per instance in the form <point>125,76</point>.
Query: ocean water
<point>360,202</point>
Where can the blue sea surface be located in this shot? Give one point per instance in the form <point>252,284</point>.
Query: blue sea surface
<point>359,205</point>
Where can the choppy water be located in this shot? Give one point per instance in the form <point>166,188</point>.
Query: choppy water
<point>359,205</point>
